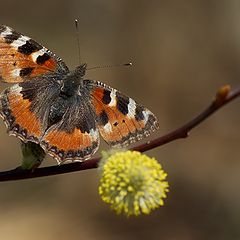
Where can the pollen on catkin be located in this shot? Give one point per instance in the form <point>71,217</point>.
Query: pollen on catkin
<point>132,183</point>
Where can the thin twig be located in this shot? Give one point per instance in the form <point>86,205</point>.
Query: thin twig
<point>224,96</point>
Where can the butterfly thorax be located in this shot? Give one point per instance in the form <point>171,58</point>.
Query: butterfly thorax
<point>72,81</point>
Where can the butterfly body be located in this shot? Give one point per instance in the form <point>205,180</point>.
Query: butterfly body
<point>59,109</point>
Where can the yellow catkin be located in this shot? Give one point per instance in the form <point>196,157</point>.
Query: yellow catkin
<point>132,183</point>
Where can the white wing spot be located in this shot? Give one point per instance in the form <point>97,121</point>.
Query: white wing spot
<point>146,114</point>
<point>107,127</point>
<point>113,98</point>
<point>20,41</point>
<point>16,72</point>
<point>35,55</point>
<point>8,31</point>
<point>16,88</point>
<point>131,108</point>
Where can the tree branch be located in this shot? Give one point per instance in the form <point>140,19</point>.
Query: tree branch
<point>224,95</point>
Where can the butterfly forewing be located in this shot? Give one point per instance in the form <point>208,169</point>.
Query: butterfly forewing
<point>22,58</point>
<point>121,120</point>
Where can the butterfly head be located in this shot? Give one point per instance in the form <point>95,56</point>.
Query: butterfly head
<point>72,80</point>
<point>81,70</point>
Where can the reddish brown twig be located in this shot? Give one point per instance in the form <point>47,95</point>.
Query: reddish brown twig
<point>223,96</point>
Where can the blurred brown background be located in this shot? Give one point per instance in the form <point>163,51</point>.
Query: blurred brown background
<point>182,51</point>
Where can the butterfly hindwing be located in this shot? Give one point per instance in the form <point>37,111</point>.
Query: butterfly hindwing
<point>23,58</point>
<point>121,120</point>
<point>17,115</point>
<point>25,108</point>
<point>75,137</point>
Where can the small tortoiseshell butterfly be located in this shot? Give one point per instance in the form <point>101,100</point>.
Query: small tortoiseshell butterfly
<point>59,109</point>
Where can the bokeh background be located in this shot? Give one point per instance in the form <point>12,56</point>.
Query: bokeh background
<point>182,51</point>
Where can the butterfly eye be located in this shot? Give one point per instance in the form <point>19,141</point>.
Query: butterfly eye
<point>64,93</point>
<point>66,90</point>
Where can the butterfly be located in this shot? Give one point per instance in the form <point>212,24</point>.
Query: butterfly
<point>60,110</point>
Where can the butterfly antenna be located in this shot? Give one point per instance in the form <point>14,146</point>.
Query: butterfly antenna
<point>112,66</point>
<point>78,41</point>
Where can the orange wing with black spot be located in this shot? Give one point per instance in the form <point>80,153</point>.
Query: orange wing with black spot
<point>23,58</point>
<point>121,120</point>
<point>17,115</point>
